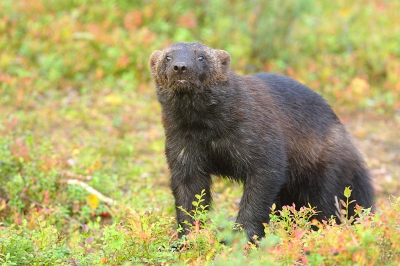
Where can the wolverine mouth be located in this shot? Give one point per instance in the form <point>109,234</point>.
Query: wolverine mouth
<point>182,85</point>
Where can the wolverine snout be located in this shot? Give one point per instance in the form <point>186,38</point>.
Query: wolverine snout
<point>180,67</point>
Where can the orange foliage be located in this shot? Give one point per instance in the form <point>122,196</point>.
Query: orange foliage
<point>133,20</point>
<point>187,20</point>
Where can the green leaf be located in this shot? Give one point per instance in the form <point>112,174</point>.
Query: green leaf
<point>347,192</point>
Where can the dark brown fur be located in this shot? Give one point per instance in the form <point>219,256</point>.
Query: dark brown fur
<point>273,134</point>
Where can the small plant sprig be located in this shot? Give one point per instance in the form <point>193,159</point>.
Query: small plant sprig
<point>343,214</point>
<point>289,218</point>
<point>202,241</point>
<point>199,213</point>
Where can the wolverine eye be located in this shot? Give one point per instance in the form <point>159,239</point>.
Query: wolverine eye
<point>200,58</point>
<point>168,58</point>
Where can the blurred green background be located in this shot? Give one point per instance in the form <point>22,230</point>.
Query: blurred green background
<point>77,101</point>
<point>349,52</point>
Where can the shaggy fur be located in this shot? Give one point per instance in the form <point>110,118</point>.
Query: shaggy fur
<point>273,134</point>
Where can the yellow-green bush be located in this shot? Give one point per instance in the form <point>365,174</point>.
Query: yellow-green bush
<point>77,103</point>
<point>328,45</point>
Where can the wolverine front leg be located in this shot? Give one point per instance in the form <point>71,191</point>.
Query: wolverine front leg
<point>184,188</point>
<point>260,192</point>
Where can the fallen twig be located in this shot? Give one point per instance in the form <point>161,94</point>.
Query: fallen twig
<point>69,174</point>
<point>90,190</point>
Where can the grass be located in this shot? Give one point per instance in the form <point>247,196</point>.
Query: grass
<point>77,103</point>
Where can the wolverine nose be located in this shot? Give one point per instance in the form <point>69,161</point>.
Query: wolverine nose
<point>180,67</point>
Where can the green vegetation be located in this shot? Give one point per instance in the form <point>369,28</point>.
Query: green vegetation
<point>78,108</point>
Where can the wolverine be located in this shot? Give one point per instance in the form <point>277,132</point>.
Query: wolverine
<point>274,135</point>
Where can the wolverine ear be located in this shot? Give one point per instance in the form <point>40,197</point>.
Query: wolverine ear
<point>153,60</point>
<point>225,61</point>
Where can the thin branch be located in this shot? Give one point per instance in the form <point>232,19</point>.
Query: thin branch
<point>344,221</point>
<point>90,190</point>
<point>69,174</point>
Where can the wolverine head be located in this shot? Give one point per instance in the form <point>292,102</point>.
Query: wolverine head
<point>187,67</point>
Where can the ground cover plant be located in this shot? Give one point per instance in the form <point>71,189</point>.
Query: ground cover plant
<point>83,179</point>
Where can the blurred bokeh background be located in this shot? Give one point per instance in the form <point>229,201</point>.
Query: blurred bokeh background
<point>77,101</point>
<point>347,51</point>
